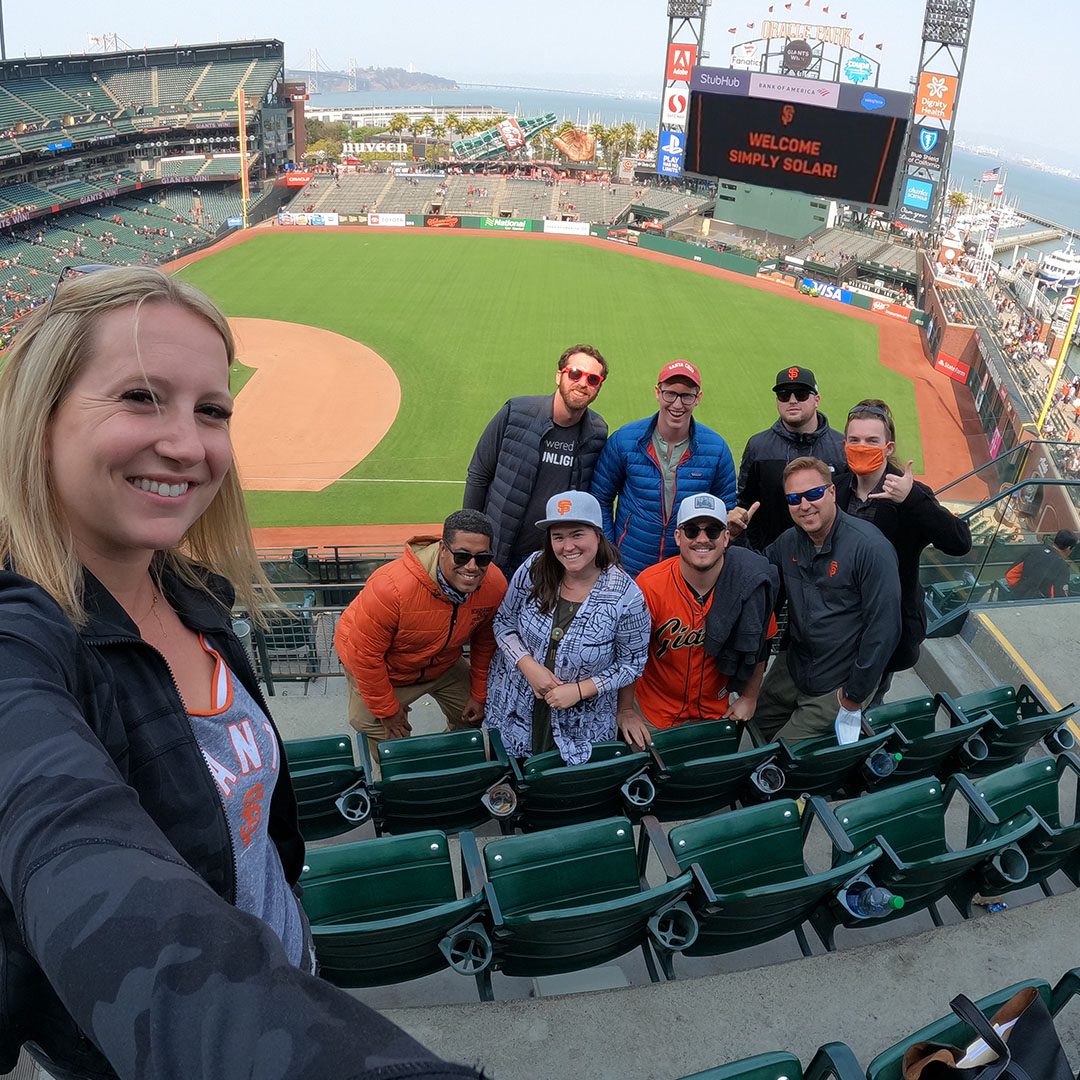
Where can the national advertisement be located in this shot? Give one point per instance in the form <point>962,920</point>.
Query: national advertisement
<point>676,101</point>
<point>894,311</point>
<point>927,148</point>
<point>936,95</point>
<point>955,369</point>
<point>505,224</point>
<point>680,62</point>
<point>396,221</point>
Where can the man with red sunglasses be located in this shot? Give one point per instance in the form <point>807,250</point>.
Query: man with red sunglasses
<point>801,430</point>
<point>535,447</point>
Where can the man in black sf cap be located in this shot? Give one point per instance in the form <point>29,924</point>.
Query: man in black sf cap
<point>800,431</point>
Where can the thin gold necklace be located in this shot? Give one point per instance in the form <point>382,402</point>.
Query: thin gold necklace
<point>152,610</point>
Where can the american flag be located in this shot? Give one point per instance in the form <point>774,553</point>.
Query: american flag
<point>990,174</point>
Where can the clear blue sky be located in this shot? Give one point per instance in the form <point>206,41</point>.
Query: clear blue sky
<point>570,44</point>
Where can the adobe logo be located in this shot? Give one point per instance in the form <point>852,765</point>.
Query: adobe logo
<point>680,62</point>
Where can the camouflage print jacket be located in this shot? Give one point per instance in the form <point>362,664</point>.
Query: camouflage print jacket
<point>119,955</point>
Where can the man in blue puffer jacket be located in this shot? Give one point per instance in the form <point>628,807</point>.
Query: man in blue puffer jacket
<point>648,466</point>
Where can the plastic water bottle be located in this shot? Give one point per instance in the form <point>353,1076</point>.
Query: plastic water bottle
<point>868,901</point>
<point>881,763</point>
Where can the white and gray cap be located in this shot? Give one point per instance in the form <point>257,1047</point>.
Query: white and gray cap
<point>701,506</point>
<point>572,507</point>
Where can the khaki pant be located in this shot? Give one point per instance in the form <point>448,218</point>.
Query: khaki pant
<point>451,691</point>
<point>785,712</point>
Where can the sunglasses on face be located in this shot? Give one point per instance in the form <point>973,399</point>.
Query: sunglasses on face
<point>483,559</point>
<point>69,272</point>
<point>810,495</point>
<point>713,532</point>
<point>590,377</point>
<point>671,396</point>
<point>799,393</point>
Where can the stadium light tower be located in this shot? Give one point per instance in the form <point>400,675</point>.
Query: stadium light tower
<point>685,40</point>
<point>3,48</point>
<point>946,30</point>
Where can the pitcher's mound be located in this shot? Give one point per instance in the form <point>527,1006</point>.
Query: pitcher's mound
<point>317,405</point>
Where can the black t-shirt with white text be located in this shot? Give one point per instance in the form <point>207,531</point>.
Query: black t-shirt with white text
<point>558,452</point>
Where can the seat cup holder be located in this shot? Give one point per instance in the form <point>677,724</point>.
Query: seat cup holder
<point>1008,867</point>
<point>355,803</point>
<point>500,800</point>
<point>1060,740</point>
<point>974,749</point>
<point>768,778</point>
<point>675,928</point>
<point>639,791</point>
<point>467,949</point>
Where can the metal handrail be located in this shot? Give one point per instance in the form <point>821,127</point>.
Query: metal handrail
<point>1024,447</point>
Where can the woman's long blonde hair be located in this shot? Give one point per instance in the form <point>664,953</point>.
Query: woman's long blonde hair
<point>50,349</point>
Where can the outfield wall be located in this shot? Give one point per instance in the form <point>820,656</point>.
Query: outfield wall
<point>664,245</point>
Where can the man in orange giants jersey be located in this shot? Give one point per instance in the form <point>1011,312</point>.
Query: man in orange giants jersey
<point>712,616</point>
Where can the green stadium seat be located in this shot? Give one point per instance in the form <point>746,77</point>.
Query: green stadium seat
<point>698,769</point>
<point>752,881</point>
<point>1033,790</point>
<point>428,781</point>
<point>551,793</point>
<point>322,770</point>
<point>908,824</point>
<point>927,750</point>
<point>387,910</point>
<point>1015,720</point>
<point>822,766</point>
<point>571,898</point>
<point>833,1059</point>
<point>952,1031</point>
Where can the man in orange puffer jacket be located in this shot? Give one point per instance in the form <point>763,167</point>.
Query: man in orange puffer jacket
<point>402,637</point>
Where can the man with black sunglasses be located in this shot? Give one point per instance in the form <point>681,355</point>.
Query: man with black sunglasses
<point>711,612</point>
<point>535,447</point>
<point>402,637</point>
<point>843,592</point>
<point>800,431</point>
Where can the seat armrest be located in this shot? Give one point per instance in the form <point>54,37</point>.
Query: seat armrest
<point>500,755</point>
<point>887,852</point>
<point>365,755</point>
<point>473,875</point>
<point>834,1059</point>
<point>652,835</point>
<point>1067,988</point>
<point>702,884</point>
<point>959,784</point>
<point>817,807</point>
<point>497,919</point>
<point>755,733</point>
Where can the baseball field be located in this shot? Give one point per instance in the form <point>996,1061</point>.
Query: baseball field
<point>465,321</point>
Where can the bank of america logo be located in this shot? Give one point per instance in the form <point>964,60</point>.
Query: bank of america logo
<point>928,140</point>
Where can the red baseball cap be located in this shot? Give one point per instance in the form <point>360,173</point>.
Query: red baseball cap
<point>680,369</point>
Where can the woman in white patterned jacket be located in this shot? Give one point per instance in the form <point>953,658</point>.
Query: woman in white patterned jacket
<point>572,630</point>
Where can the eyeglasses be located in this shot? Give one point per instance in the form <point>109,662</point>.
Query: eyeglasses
<point>483,559</point>
<point>74,271</point>
<point>713,532</point>
<point>671,396</point>
<point>800,393</point>
<point>810,495</point>
<point>577,375</point>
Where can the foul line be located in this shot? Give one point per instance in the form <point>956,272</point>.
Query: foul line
<point>1025,668</point>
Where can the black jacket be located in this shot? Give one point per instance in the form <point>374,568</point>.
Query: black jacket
<point>507,459</point>
<point>761,473</point>
<point>910,526</point>
<point>843,607</point>
<point>115,859</point>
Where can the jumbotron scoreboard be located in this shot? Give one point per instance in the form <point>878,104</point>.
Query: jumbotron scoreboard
<point>833,140</point>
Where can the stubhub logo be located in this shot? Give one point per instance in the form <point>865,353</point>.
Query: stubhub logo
<point>872,101</point>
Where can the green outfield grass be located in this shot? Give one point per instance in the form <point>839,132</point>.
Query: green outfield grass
<point>467,322</point>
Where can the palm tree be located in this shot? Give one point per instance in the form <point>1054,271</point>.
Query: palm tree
<point>629,136</point>
<point>564,127</point>
<point>958,201</point>
<point>453,122</point>
<point>398,123</point>
<point>422,124</point>
<point>647,141</point>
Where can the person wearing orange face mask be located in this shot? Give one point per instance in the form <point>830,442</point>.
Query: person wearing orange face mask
<point>904,510</point>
